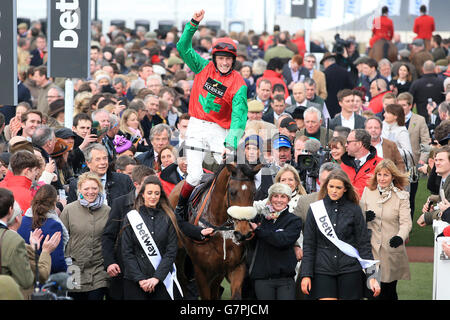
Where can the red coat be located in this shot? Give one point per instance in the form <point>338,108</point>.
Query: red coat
<point>382,28</point>
<point>300,43</point>
<point>424,27</point>
<point>274,78</point>
<point>376,104</point>
<point>359,179</point>
<point>20,186</point>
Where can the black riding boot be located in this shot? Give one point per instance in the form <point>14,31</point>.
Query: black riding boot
<point>182,208</point>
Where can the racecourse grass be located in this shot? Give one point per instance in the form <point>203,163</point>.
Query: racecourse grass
<point>420,287</point>
<point>421,236</point>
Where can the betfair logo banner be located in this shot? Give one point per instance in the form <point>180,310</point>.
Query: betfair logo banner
<point>69,38</point>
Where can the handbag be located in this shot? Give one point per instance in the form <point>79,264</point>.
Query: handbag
<point>411,170</point>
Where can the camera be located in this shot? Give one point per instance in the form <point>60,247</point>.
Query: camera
<point>340,44</point>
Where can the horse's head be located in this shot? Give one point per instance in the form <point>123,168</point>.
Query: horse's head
<point>240,193</point>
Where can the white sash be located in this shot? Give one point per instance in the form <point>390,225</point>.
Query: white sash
<point>326,227</point>
<point>151,250</point>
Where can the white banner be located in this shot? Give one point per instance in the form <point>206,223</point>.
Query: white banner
<point>326,227</point>
<point>323,8</point>
<point>231,9</point>
<point>414,6</point>
<point>393,5</point>
<point>151,250</point>
<point>353,7</point>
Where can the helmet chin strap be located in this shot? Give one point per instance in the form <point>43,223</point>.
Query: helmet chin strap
<point>231,69</point>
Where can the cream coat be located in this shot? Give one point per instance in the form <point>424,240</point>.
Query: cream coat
<point>393,218</point>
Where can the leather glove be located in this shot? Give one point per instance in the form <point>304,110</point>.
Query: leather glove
<point>370,215</point>
<point>395,242</point>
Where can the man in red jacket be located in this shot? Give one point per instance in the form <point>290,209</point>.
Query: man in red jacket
<point>424,27</point>
<point>360,160</point>
<point>382,27</point>
<point>24,169</point>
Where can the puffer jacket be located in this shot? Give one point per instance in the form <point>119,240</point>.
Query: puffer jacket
<point>323,257</point>
<point>136,263</point>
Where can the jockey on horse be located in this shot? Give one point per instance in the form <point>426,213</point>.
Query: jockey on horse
<point>218,110</point>
<point>382,27</point>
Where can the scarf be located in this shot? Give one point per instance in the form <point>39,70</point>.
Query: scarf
<point>52,215</point>
<point>386,193</point>
<point>96,204</point>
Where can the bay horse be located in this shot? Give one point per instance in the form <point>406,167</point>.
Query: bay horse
<point>223,254</point>
<point>384,49</point>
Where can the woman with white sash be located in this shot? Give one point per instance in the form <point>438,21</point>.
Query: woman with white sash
<point>149,246</point>
<point>336,244</point>
<point>386,205</point>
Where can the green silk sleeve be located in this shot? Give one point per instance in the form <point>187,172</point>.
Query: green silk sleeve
<point>184,46</point>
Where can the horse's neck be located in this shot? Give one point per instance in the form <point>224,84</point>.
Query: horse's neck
<point>218,205</point>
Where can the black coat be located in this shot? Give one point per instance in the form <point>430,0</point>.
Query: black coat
<point>337,78</point>
<point>337,121</point>
<point>275,256</point>
<point>428,86</point>
<point>111,248</point>
<point>137,264</point>
<point>320,255</point>
<point>117,184</point>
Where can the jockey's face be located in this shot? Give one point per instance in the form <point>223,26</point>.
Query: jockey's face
<point>224,63</point>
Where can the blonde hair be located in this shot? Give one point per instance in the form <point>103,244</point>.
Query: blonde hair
<point>123,121</point>
<point>81,102</point>
<point>89,176</point>
<point>399,179</point>
<point>287,167</point>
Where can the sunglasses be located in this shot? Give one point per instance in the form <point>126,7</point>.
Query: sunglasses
<point>223,46</point>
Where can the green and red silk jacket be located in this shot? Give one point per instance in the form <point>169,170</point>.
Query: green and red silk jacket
<point>214,98</point>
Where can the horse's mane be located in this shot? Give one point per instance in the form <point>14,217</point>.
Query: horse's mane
<point>246,169</point>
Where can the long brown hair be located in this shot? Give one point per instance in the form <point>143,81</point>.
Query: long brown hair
<point>399,179</point>
<point>339,174</point>
<point>43,202</point>
<point>163,203</point>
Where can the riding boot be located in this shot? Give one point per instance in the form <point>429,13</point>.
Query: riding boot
<point>182,205</point>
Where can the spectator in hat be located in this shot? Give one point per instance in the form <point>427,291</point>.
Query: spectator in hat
<point>424,27</point>
<point>288,127</point>
<point>56,114</point>
<point>281,150</point>
<point>255,110</point>
<point>419,55</point>
<point>63,170</point>
<point>174,64</point>
<point>67,135</point>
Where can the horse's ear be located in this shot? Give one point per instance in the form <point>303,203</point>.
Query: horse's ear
<point>257,168</point>
<point>232,167</point>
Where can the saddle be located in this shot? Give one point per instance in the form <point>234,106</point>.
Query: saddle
<point>194,198</point>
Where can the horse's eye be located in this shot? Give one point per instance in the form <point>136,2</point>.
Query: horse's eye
<point>233,192</point>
